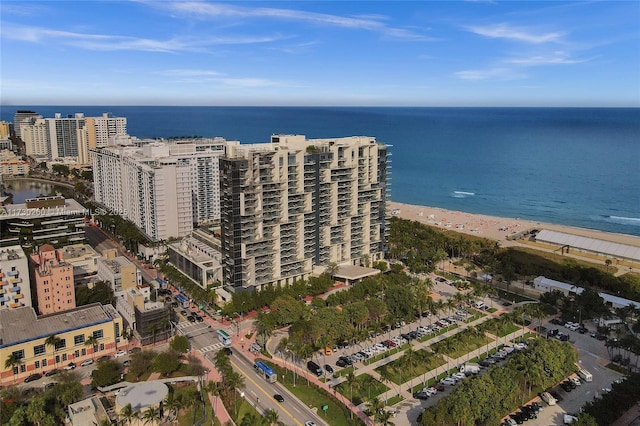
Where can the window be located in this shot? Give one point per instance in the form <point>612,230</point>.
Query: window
<point>78,339</point>
<point>98,334</point>
<point>23,368</point>
<point>64,357</point>
<point>102,346</point>
<point>18,354</point>
<point>76,353</point>
<point>44,362</point>
<point>61,344</point>
<point>84,352</point>
<point>37,364</point>
<point>39,350</point>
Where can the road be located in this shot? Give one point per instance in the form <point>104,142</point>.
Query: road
<point>101,241</point>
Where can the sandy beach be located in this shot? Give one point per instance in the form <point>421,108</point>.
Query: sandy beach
<point>494,228</point>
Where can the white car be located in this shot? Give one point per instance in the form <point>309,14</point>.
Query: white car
<point>120,353</point>
<point>86,362</point>
<point>575,380</point>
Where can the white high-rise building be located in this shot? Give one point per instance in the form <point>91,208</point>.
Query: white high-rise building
<point>294,204</point>
<point>21,118</point>
<point>36,138</point>
<point>163,187</point>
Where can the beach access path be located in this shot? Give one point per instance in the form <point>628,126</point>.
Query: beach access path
<point>498,228</point>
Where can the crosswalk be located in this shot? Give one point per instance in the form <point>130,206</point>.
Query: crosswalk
<point>210,348</point>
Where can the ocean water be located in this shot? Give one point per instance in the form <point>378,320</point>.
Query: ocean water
<point>571,166</point>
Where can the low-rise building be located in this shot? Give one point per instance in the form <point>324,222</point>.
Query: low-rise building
<point>36,344</point>
<point>44,220</point>
<point>12,165</point>
<point>15,285</point>
<point>197,260</point>
<point>147,321</point>
<point>54,284</point>
<point>82,257</point>
<point>90,411</point>
<point>120,273</point>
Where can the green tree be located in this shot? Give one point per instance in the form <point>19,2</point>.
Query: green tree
<point>107,373</point>
<point>13,362</point>
<point>53,341</point>
<point>92,341</point>
<point>180,344</point>
<point>36,410</point>
<point>166,362</point>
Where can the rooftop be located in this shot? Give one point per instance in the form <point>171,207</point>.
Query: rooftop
<point>116,263</point>
<point>22,324</point>
<point>11,253</point>
<point>77,251</point>
<point>142,395</point>
<point>20,211</point>
<point>351,272</point>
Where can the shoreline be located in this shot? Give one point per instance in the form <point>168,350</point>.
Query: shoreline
<point>494,227</point>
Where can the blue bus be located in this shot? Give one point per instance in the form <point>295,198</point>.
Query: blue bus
<point>180,298</point>
<point>224,337</point>
<point>265,371</point>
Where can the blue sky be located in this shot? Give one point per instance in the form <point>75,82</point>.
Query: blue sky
<point>414,53</point>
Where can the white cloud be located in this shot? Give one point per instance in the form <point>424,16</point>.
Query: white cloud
<point>489,74</point>
<point>556,58</point>
<point>189,73</point>
<point>104,42</point>
<point>362,22</point>
<point>508,32</point>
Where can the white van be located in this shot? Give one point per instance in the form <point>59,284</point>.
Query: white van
<point>546,397</point>
<point>585,375</point>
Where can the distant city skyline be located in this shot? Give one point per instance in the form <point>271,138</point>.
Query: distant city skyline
<point>339,53</point>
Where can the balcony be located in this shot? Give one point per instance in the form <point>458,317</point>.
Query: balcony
<point>18,296</point>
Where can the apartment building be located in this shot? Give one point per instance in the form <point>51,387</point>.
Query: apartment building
<point>53,220</point>
<point>15,285</point>
<point>5,130</point>
<point>35,134</point>
<point>119,272</point>
<point>198,260</point>
<point>37,344</point>
<point>54,282</point>
<point>21,118</point>
<point>12,165</point>
<point>63,134</point>
<point>293,204</point>
<point>163,187</point>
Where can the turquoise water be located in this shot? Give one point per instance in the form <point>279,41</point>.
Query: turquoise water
<point>572,166</point>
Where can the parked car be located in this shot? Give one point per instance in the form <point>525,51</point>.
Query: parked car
<point>328,368</point>
<point>421,395</point>
<point>70,366</point>
<point>120,353</point>
<point>33,377</point>
<point>86,362</point>
<point>126,363</point>
<point>135,350</point>
<point>52,372</point>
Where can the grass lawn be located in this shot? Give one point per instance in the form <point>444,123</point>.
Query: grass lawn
<point>364,388</point>
<point>460,344</point>
<point>344,371</point>
<point>335,414</point>
<point>395,400</point>
<point>404,368</point>
<point>498,327</point>
<point>243,408</point>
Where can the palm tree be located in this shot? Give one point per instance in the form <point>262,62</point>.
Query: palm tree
<point>93,342</point>
<point>53,341</point>
<point>150,415</point>
<point>13,362</point>
<point>351,380</point>
<point>212,388</point>
<point>127,414</point>
<point>383,418</point>
<point>271,418</point>
<point>375,405</point>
